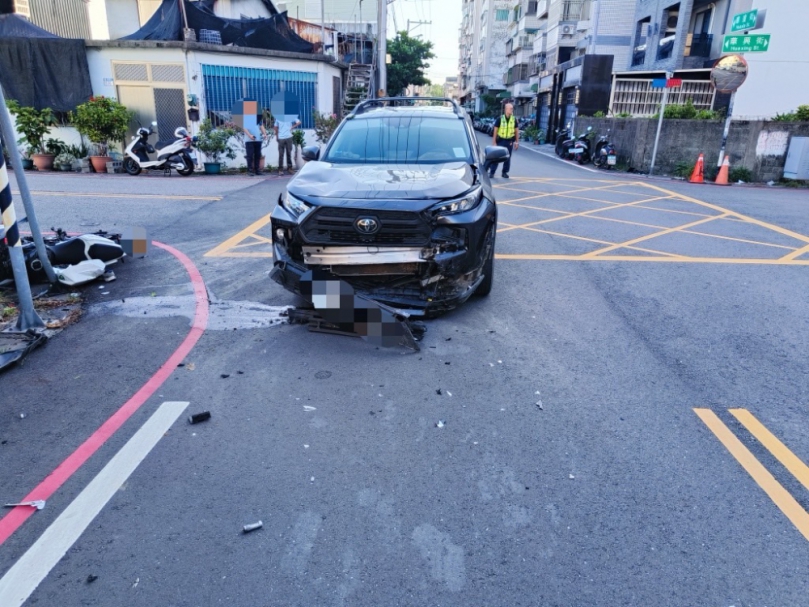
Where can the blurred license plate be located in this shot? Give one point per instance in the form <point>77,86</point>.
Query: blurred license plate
<point>577,150</point>
<point>612,160</point>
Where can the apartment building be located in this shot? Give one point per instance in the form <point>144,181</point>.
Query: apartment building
<point>578,44</point>
<point>350,16</point>
<point>482,42</point>
<point>524,26</point>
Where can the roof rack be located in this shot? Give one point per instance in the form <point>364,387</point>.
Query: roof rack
<point>382,101</point>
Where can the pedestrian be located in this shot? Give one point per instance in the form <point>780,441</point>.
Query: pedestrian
<point>254,133</point>
<point>283,131</point>
<point>506,134</point>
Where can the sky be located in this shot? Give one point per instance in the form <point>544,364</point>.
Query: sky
<point>443,33</point>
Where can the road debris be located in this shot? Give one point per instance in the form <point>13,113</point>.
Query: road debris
<point>91,578</point>
<point>252,527</point>
<point>38,504</point>
<point>571,476</point>
<point>438,392</point>
<point>14,347</point>
<point>309,408</point>
<point>441,423</point>
<point>225,375</point>
<point>204,416</point>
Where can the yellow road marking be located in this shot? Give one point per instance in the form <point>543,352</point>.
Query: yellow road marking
<point>109,195</point>
<point>593,240</point>
<point>795,254</point>
<point>650,236</point>
<point>746,218</point>
<point>528,206</point>
<point>583,213</point>
<point>222,248</point>
<point>776,492</point>
<point>790,461</point>
<point>723,260</point>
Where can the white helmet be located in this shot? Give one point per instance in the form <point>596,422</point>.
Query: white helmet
<point>180,132</point>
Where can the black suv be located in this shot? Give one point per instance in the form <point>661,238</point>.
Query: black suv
<point>398,205</point>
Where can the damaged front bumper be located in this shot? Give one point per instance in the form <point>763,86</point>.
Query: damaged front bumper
<point>419,279</point>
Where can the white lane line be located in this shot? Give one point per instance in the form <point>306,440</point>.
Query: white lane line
<point>28,572</point>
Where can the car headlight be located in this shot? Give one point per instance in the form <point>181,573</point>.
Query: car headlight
<point>296,206</point>
<point>459,205</point>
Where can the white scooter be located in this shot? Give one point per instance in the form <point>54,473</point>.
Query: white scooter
<point>177,155</point>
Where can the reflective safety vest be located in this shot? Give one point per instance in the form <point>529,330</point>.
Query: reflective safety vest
<point>507,128</point>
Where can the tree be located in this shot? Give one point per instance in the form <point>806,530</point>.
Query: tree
<point>408,61</point>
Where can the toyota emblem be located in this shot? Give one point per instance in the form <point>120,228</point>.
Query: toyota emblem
<point>367,225</point>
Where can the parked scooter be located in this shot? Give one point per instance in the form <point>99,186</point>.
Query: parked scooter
<point>581,149</point>
<point>605,156</point>
<point>176,155</point>
<point>562,139</point>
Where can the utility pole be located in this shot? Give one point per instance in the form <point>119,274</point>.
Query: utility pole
<point>323,24</point>
<point>382,45</point>
<point>416,24</point>
<point>596,14</point>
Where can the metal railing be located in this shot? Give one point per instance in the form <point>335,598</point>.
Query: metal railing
<point>701,45</point>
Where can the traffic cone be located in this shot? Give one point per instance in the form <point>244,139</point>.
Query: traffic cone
<point>698,174</point>
<point>722,177</point>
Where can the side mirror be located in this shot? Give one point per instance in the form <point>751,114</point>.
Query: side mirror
<point>311,152</point>
<point>495,154</point>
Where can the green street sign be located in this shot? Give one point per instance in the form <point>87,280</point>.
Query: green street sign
<point>744,21</point>
<point>746,44</point>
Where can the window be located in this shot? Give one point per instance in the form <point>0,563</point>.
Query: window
<point>400,140</point>
<point>668,31</point>
<point>501,14</point>
<point>641,34</point>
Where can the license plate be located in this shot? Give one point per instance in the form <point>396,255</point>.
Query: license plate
<point>577,150</point>
<point>612,160</point>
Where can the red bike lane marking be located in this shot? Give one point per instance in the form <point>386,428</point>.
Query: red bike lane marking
<point>17,516</point>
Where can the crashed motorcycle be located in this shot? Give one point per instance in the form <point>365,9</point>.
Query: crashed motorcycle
<point>176,155</point>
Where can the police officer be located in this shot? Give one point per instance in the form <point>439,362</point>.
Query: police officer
<point>506,134</point>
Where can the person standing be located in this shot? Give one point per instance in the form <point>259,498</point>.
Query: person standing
<point>506,133</point>
<point>254,136</point>
<point>283,131</point>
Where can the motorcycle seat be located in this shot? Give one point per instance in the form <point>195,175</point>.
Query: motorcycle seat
<point>162,144</point>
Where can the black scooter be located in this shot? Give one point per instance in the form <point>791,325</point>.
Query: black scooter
<point>562,141</point>
<point>605,156</point>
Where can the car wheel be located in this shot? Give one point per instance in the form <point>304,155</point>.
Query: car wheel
<point>131,167</point>
<point>485,287</point>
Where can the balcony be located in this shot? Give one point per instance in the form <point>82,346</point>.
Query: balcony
<point>700,45</point>
<point>542,8</point>
<point>516,74</point>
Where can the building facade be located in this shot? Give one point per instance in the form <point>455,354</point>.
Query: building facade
<point>349,16</point>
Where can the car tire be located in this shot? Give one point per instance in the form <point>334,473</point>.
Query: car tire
<point>485,287</point>
<point>131,167</point>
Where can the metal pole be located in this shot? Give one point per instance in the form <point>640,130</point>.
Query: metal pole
<point>10,138</point>
<point>323,24</point>
<point>596,17</point>
<point>382,45</point>
<point>28,318</point>
<point>659,127</point>
<point>185,17</point>
<point>727,129</point>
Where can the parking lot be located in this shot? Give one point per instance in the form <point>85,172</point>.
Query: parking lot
<point>622,421</point>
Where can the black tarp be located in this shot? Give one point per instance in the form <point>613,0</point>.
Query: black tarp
<point>271,33</point>
<point>40,69</point>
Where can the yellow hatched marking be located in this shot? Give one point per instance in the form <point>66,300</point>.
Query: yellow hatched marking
<point>234,240</point>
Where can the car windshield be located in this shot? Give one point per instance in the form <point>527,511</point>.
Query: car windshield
<point>402,140</point>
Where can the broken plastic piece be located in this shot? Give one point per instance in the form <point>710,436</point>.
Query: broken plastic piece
<point>199,417</point>
<point>38,504</point>
<point>80,273</point>
<point>441,423</point>
<point>252,527</point>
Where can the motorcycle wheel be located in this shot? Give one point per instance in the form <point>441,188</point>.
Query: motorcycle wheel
<point>131,167</point>
<point>583,159</point>
<point>189,168</point>
<point>599,164</point>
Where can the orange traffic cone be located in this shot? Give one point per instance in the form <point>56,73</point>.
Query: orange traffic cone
<point>698,175</point>
<point>722,177</point>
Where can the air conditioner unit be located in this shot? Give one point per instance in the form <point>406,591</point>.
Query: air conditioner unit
<point>567,29</point>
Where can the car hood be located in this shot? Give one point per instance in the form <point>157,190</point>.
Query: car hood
<point>325,181</point>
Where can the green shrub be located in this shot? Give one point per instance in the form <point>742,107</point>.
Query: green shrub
<point>32,124</point>
<point>799,115</point>
<point>683,169</point>
<point>599,114</point>
<point>802,113</point>
<point>215,142</point>
<point>740,174</point>
<point>624,115</point>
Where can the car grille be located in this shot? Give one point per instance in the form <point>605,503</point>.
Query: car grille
<point>331,225</point>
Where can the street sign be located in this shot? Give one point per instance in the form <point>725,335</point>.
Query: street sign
<point>673,83</point>
<point>659,83</point>
<point>746,44</point>
<point>744,21</point>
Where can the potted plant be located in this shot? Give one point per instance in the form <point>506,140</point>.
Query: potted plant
<point>65,161</point>
<point>298,141</point>
<point>25,155</point>
<point>104,122</point>
<point>33,125</point>
<point>214,143</point>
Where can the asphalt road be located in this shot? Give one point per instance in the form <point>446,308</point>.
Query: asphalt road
<point>571,469</point>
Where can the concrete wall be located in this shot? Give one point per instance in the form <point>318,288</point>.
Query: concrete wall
<point>758,146</point>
